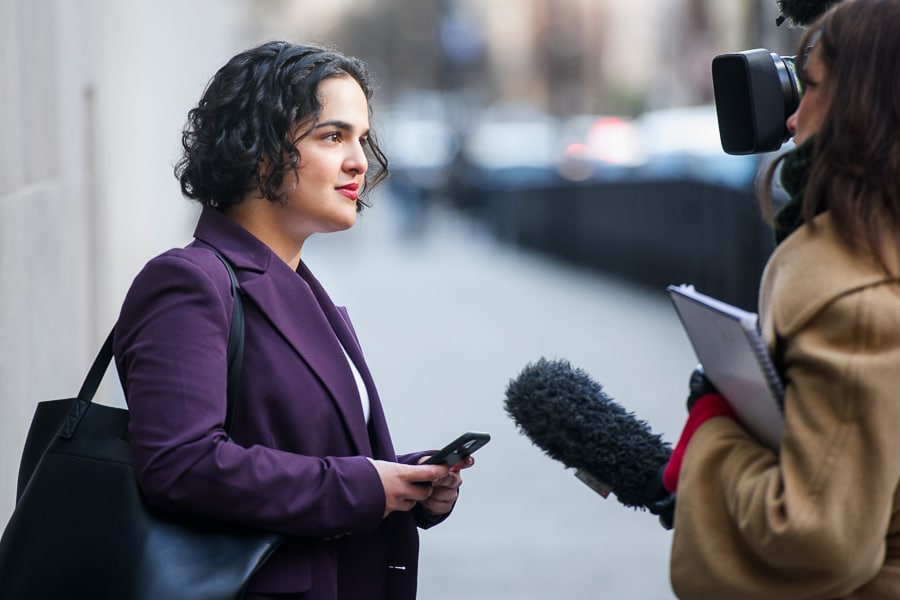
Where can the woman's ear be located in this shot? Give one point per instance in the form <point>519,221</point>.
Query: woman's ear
<point>263,169</point>
<point>265,173</point>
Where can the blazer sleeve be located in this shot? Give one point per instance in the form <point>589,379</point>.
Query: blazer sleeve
<point>170,347</point>
<point>812,521</point>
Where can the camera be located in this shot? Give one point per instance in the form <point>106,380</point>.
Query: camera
<point>755,92</point>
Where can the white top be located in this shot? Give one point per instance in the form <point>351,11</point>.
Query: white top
<point>360,384</point>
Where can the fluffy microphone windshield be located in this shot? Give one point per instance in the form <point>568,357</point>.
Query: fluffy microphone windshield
<point>567,414</point>
<point>804,12</point>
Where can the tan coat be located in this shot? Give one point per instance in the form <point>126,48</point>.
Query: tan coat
<point>821,519</point>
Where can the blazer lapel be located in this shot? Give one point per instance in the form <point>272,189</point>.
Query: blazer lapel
<point>379,437</point>
<point>290,305</point>
<point>288,302</point>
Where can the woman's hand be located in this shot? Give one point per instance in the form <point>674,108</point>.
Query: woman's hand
<point>446,489</point>
<point>405,485</point>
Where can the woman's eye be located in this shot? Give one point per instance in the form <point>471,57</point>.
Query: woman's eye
<point>334,136</point>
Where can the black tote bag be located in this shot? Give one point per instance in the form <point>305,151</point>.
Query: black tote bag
<point>81,529</point>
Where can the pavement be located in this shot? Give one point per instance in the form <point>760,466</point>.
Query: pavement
<point>447,316</point>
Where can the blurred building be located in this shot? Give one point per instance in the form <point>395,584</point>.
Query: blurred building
<point>568,56</point>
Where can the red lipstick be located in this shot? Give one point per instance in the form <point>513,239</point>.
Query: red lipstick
<point>351,190</point>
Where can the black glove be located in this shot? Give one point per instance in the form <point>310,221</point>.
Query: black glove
<point>659,501</point>
<point>664,508</point>
<point>699,386</point>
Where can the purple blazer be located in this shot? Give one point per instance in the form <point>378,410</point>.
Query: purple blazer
<point>297,464</point>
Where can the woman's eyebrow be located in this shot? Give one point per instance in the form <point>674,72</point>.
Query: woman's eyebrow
<point>337,123</point>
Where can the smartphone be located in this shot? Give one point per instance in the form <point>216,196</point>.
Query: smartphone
<point>459,449</point>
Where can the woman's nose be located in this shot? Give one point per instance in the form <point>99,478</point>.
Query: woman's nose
<point>791,123</point>
<point>357,160</point>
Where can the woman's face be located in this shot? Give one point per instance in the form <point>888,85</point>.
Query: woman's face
<point>810,113</point>
<point>322,197</point>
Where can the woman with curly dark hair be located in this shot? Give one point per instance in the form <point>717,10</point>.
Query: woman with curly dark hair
<point>818,518</point>
<point>279,148</point>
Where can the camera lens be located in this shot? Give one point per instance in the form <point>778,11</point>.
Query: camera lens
<point>791,89</point>
<point>755,92</point>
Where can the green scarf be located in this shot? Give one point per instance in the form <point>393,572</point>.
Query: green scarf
<point>794,174</point>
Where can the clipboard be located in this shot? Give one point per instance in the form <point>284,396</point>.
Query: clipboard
<point>729,345</point>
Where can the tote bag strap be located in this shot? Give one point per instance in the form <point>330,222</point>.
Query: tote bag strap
<point>235,357</point>
<point>235,344</point>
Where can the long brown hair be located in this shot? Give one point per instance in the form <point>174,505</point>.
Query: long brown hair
<point>855,170</point>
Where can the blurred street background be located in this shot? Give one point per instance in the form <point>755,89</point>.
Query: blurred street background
<point>555,164</point>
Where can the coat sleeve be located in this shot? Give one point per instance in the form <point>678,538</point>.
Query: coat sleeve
<point>170,347</point>
<point>811,521</point>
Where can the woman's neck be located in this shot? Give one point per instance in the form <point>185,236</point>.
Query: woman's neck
<point>261,218</point>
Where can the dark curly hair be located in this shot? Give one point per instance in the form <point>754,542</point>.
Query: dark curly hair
<point>248,114</point>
